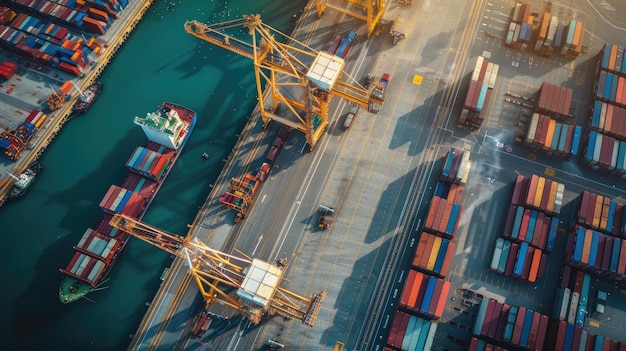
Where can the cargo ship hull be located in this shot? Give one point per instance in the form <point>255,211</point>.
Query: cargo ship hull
<point>149,166</point>
<point>87,98</point>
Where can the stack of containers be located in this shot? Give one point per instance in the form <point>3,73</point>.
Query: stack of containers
<point>424,295</point>
<point>98,245</point>
<point>456,167</point>
<point>601,213</point>
<point>48,44</point>
<point>559,140</point>
<point>433,255</point>
<point>511,325</point>
<point>25,132</point>
<point>480,89</point>
<point>148,163</point>
<point>554,101</point>
<point>608,119</point>
<point>566,336</point>
<point>425,291</point>
<point>545,35</point>
<point>122,201</point>
<point>605,154</point>
<point>546,38</point>
<point>411,333</point>
<point>572,296</point>
<point>7,70</point>
<point>530,229</point>
<point>596,253</point>
<point>606,142</point>
<point>36,118</point>
<point>92,16</point>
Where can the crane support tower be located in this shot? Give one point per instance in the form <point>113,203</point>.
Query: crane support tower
<point>298,77</point>
<point>373,10</point>
<point>257,282</point>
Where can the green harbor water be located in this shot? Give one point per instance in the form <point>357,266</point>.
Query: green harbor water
<point>159,62</point>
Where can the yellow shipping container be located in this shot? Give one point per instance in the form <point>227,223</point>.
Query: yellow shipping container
<point>432,259</point>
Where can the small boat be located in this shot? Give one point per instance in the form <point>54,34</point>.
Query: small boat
<point>25,180</point>
<point>87,98</point>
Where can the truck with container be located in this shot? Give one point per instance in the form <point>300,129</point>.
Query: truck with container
<point>379,91</point>
<point>350,117</point>
<point>344,47</point>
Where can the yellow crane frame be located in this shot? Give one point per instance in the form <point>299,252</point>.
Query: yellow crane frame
<point>212,270</point>
<point>373,11</point>
<point>283,68</point>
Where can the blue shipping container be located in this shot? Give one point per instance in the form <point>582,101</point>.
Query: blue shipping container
<point>521,257</point>
<point>523,341</point>
<point>554,228</point>
<point>518,221</point>
<point>428,295</point>
<point>576,140</point>
<point>531,225</point>
<point>480,317</point>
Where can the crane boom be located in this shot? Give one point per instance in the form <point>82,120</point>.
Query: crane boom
<point>286,69</point>
<point>212,270</point>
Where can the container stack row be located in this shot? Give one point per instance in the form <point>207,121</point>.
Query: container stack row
<point>605,149</point>
<point>601,213</point>
<point>566,336</point>
<point>511,325</point>
<point>605,154</point>
<point>456,166</point>
<point>539,193</point>
<point>433,255</point>
<point>98,245</point>
<point>7,70</point>
<point>424,295</point>
<point>91,16</point>
<point>425,290</point>
<point>148,163</point>
<point>48,44</point>
<point>531,226</point>
<point>608,119</point>
<point>410,333</point>
<point>519,261</point>
<point>554,101</point>
<point>544,35</point>
<point>559,140</point>
<point>480,89</point>
<point>596,253</point>
<point>123,201</point>
<point>572,298</point>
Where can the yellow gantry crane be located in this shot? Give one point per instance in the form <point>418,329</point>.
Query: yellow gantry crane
<point>298,77</point>
<point>257,282</point>
<point>370,11</point>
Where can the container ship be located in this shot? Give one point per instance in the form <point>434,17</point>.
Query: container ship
<point>167,129</point>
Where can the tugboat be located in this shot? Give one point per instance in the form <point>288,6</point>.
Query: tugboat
<point>25,180</point>
<point>87,98</point>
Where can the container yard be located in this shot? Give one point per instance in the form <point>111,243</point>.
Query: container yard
<point>484,214</point>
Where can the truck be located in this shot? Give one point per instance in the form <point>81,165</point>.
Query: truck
<point>344,47</point>
<point>350,117</point>
<point>202,325</point>
<point>324,212</point>
<point>241,195</point>
<point>378,94</point>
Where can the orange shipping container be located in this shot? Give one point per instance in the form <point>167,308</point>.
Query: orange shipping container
<point>550,135</point>
<point>415,289</point>
<point>534,267</point>
<point>612,57</point>
<point>539,194</point>
<point>419,251</point>
<point>597,211</point>
<point>443,298</point>
<point>586,247</point>
<point>427,250</point>
<point>605,214</point>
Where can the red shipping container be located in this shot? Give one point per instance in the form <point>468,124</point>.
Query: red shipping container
<point>488,317</point>
<point>430,219</point>
<point>406,292</point>
<point>519,323</point>
<point>495,319</point>
<point>541,332</point>
<point>543,264</point>
<point>534,329</point>
<point>445,291</point>
<point>528,262</point>
<point>419,251</point>
<point>427,250</point>
<point>524,225</point>
<point>510,263</point>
